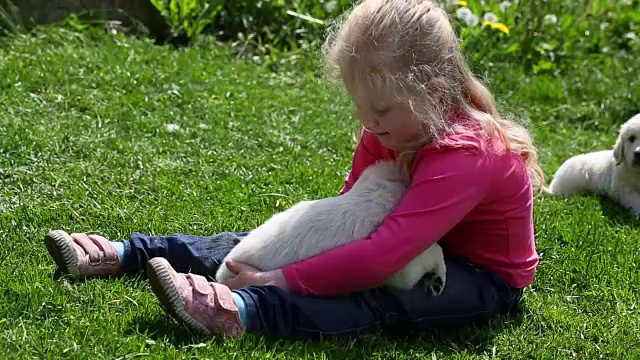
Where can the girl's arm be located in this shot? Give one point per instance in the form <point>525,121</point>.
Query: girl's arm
<point>446,186</point>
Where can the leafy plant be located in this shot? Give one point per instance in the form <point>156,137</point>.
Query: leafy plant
<point>545,36</point>
<point>10,20</point>
<point>189,17</point>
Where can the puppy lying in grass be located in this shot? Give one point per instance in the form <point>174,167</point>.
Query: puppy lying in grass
<point>312,227</point>
<point>613,173</point>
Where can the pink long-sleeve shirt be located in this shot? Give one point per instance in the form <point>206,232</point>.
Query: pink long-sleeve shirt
<point>476,201</point>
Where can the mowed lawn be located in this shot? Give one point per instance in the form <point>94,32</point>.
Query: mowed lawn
<point>111,135</point>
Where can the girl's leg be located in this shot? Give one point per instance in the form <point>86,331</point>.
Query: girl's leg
<point>82,255</point>
<point>470,295</point>
<point>186,253</point>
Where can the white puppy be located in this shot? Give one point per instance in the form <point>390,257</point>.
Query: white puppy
<point>614,173</point>
<point>311,227</point>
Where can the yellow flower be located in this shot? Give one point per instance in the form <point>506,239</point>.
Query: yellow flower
<point>462,3</point>
<point>496,26</point>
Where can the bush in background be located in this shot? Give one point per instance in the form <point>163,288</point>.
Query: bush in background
<point>546,35</point>
<point>540,34</point>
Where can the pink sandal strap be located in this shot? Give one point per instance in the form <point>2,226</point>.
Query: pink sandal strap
<point>110,253</point>
<point>199,284</point>
<point>214,306</point>
<point>94,245</point>
<point>221,294</point>
<point>88,246</point>
<point>223,297</point>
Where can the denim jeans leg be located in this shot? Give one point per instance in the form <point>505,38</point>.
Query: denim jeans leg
<point>186,253</point>
<point>470,295</point>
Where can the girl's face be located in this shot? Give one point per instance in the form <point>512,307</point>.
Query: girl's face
<point>394,124</point>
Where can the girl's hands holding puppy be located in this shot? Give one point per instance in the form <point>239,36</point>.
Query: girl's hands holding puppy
<point>247,275</point>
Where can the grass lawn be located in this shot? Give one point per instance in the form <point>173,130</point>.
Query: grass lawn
<point>89,144</point>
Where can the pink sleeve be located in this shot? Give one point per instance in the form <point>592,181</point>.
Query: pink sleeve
<point>368,151</point>
<point>445,187</point>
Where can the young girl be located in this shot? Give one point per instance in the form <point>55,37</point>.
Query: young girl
<point>473,175</point>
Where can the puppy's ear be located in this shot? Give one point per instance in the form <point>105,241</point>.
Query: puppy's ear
<point>618,151</point>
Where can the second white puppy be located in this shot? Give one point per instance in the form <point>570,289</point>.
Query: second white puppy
<point>613,173</point>
<point>311,227</point>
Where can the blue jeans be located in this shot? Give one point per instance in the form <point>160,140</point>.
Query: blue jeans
<point>470,295</point>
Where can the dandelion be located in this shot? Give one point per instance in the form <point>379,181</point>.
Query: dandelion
<point>496,26</point>
<point>173,127</point>
<point>464,13</point>
<point>550,19</point>
<point>330,6</point>
<point>504,6</point>
<point>462,3</point>
<point>490,17</point>
<point>473,20</point>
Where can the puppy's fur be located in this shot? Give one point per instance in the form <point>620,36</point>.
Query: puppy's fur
<point>311,227</point>
<point>614,173</point>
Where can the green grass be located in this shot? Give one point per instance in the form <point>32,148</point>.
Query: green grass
<point>85,147</point>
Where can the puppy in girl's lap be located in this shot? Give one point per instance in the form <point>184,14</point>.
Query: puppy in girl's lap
<point>311,227</point>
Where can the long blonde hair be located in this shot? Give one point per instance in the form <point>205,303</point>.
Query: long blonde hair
<point>408,49</point>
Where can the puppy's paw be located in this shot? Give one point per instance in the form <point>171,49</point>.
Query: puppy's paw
<point>434,283</point>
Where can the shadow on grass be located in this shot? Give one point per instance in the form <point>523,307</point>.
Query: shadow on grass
<point>615,213</point>
<point>474,338</point>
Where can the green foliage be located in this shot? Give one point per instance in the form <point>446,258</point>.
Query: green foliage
<point>188,17</point>
<point>10,21</point>
<point>543,36</point>
<point>266,29</point>
<point>547,36</point>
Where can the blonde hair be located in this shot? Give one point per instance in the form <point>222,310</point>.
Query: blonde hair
<point>407,51</point>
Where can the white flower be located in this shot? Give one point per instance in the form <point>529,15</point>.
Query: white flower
<point>464,13</point>
<point>550,19</point>
<point>631,36</point>
<point>330,6</point>
<point>473,20</point>
<point>505,5</point>
<point>173,127</point>
<point>490,17</point>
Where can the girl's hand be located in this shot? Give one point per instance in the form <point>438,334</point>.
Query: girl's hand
<point>247,275</point>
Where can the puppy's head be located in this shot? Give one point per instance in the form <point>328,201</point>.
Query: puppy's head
<point>627,148</point>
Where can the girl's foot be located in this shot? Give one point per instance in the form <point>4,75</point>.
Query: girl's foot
<point>82,255</point>
<point>204,306</point>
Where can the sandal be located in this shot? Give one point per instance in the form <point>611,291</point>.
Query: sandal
<point>207,307</point>
<point>82,255</point>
